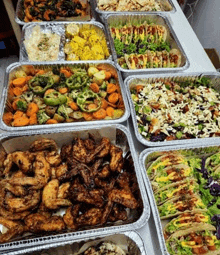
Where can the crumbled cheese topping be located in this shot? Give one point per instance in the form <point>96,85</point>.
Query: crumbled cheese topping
<point>189,111</point>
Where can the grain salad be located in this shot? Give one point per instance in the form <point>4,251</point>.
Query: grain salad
<point>177,110</point>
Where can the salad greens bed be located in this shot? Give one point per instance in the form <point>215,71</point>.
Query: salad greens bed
<point>187,190</point>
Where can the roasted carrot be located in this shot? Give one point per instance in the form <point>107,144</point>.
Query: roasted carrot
<point>104,103</point>
<point>18,114</point>
<point>7,118</point>
<point>22,121</point>
<point>74,106</point>
<point>139,88</point>
<point>19,82</point>
<point>113,98</point>
<point>110,111</point>
<point>66,72</point>
<point>32,108</point>
<point>92,106</point>
<point>51,121</point>
<point>48,91</point>
<point>100,114</point>
<point>94,87</point>
<point>87,116</point>
<point>40,72</point>
<point>17,91</point>
<point>108,75</point>
<point>63,90</point>
<point>33,119</point>
<point>111,88</point>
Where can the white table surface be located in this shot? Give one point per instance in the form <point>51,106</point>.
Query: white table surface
<point>199,62</point>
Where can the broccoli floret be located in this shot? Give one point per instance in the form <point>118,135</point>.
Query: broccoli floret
<point>42,117</point>
<point>64,111</point>
<point>21,105</point>
<point>28,96</point>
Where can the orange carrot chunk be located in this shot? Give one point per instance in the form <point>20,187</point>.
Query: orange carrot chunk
<point>100,114</point>
<point>113,98</point>
<point>51,121</point>
<point>32,108</point>
<point>110,111</point>
<point>22,121</point>
<point>94,87</point>
<point>74,106</point>
<point>66,72</point>
<point>17,91</point>
<point>111,88</point>
<point>33,119</point>
<point>63,90</point>
<point>19,82</point>
<point>104,103</point>
<point>87,116</point>
<point>108,75</point>
<point>7,118</point>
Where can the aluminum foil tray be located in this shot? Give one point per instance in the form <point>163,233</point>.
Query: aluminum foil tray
<point>102,14</point>
<point>90,14</point>
<point>143,79</point>
<point>57,27</point>
<point>149,155</point>
<point>15,66</point>
<point>157,19</point>
<point>118,135</point>
<point>130,242</point>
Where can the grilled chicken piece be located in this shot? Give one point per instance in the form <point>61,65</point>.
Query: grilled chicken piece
<point>50,196</point>
<point>43,144</point>
<point>123,197</point>
<point>116,162</point>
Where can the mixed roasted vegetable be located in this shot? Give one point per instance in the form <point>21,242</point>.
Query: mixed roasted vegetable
<point>85,42</point>
<point>187,190</point>
<point>48,10</point>
<point>55,94</point>
<point>140,46</point>
<point>172,110</point>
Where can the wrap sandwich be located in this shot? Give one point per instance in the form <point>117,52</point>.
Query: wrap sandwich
<point>198,239</point>
<point>178,205</point>
<point>184,221</point>
<point>166,193</point>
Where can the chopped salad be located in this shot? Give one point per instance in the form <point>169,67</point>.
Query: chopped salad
<point>167,110</point>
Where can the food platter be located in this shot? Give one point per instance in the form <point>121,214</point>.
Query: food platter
<point>131,241</point>
<point>34,11</point>
<point>144,43</point>
<point>198,159</point>
<point>116,134</point>
<point>86,92</point>
<point>104,9</point>
<point>32,40</point>
<point>172,120</point>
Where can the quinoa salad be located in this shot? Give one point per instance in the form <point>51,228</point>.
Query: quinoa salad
<point>167,110</point>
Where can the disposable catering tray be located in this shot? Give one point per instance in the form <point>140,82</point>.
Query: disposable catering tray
<point>168,4</point>
<point>10,72</point>
<point>58,28</point>
<point>112,20</point>
<point>119,136</point>
<point>19,14</point>
<point>148,156</point>
<point>130,242</point>
<point>131,81</point>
